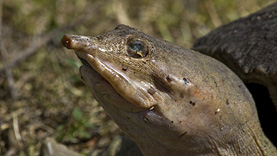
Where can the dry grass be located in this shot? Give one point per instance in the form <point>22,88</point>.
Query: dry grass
<point>41,94</point>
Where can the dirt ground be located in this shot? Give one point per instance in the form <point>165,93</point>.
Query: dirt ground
<point>41,93</point>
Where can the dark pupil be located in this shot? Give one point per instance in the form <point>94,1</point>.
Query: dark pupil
<point>137,47</point>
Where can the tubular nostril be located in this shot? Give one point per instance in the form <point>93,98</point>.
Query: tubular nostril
<point>77,42</point>
<point>66,41</point>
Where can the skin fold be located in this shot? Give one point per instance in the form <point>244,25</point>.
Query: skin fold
<point>168,99</point>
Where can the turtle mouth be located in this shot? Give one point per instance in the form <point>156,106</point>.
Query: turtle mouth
<point>97,68</point>
<point>84,61</point>
<point>147,114</point>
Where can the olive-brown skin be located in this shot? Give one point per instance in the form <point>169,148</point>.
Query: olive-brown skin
<point>169,100</point>
<point>248,46</point>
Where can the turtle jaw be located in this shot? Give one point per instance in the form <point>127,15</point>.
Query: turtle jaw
<point>104,92</point>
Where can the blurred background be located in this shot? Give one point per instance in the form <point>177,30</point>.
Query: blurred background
<point>41,93</point>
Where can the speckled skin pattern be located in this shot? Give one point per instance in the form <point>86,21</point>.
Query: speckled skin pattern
<point>168,99</point>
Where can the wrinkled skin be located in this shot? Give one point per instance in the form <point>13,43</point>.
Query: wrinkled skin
<point>248,46</point>
<point>169,100</point>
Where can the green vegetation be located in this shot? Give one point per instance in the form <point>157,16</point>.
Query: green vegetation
<point>42,95</point>
<point>79,128</point>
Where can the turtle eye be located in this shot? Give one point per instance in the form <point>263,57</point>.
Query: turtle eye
<point>137,48</point>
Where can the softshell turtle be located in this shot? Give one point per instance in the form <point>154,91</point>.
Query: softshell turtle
<point>248,46</point>
<point>170,100</point>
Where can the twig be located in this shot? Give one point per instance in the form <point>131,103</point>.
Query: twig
<point>213,14</point>
<point>121,13</point>
<point>11,151</point>
<point>4,54</point>
<point>44,39</point>
<point>14,145</point>
<point>16,128</point>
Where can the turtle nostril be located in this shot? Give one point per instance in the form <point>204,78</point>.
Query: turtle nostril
<point>66,41</point>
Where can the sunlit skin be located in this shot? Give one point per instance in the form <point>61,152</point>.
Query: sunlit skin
<point>169,100</point>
